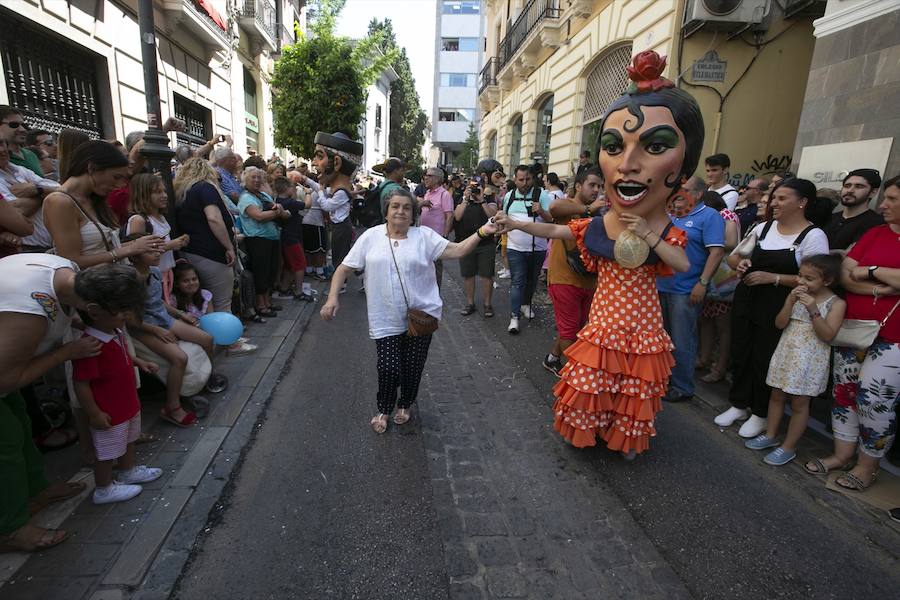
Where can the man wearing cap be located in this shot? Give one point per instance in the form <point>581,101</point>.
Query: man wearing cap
<point>847,226</point>
<point>336,158</point>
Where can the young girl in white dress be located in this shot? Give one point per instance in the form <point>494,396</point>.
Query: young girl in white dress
<point>810,318</point>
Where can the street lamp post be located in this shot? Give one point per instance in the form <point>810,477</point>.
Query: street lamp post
<point>156,148</point>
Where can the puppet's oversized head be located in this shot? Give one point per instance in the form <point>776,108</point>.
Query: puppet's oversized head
<point>650,139</point>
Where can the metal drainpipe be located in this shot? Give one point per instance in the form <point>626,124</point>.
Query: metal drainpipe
<point>279,19</point>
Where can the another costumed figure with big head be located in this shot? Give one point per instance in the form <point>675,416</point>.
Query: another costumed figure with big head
<point>618,369</point>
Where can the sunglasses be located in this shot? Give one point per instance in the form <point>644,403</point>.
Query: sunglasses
<point>15,124</point>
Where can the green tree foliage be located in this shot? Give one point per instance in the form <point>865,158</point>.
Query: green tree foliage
<point>319,82</point>
<point>408,122</point>
<point>468,154</point>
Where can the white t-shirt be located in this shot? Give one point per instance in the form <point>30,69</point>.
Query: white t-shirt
<point>729,195</point>
<point>518,210</point>
<point>415,258</point>
<point>815,242</point>
<point>26,286</point>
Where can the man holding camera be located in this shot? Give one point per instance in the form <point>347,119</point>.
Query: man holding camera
<point>525,252</point>
<point>469,216</point>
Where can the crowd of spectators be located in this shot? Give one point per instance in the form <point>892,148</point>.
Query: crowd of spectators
<point>106,274</point>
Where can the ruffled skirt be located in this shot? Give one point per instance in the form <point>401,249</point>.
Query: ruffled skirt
<point>612,387</point>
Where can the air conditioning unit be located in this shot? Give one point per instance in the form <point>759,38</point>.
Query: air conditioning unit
<point>723,14</point>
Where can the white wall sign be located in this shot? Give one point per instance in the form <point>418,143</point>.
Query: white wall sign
<point>827,165</point>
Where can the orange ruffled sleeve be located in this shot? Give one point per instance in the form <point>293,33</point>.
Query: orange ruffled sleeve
<point>579,229</point>
<point>675,237</point>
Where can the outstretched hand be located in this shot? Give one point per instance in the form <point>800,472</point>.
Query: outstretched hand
<point>502,222</point>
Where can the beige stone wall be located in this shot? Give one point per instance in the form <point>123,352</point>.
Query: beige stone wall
<point>764,87</point>
<point>648,25</point>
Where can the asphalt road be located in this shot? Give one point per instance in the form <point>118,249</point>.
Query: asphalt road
<point>729,525</point>
<point>322,508</point>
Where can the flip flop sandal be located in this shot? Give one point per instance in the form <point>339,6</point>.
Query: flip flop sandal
<point>379,423</point>
<point>488,312</point>
<point>47,539</point>
<point>819,467</point>
<point>145,438</point>
<point>56,439</point>
<point>187,420</point>
<point>467,310</point>
<point>402,419</point>
<point>854,483</point>
<point>71,489</point>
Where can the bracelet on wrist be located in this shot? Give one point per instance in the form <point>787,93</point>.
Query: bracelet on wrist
<point>115,257</point>
<point>777,280</point>
<point>658,240</point>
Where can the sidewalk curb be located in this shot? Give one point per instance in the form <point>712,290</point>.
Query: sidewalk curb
<point>167,560</point>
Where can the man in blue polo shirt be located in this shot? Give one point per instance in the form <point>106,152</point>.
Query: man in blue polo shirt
<point>682,295</point>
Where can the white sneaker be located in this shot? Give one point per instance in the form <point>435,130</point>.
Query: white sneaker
<point>527,312</point>
<point>727,418</point>
<point>513,326</point>
<point>140,474</point>
<point>243,348</point>
<point>753,427</point>
<point>116,492</point>
<point>503,274</point>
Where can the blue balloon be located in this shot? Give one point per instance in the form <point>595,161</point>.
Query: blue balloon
<point>223,326</point>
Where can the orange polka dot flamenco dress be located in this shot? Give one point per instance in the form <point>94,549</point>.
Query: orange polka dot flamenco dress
<point>618,368</point>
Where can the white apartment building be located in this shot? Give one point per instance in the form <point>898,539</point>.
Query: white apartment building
<point>459,45</point>
<point>376,123</point>
<point>78,65</point>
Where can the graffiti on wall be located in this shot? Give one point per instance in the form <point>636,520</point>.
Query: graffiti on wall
<point>761,168</point>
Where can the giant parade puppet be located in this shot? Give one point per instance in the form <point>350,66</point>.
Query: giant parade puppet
<point>618,369</point>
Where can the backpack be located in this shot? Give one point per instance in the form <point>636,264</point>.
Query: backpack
<point>365,211</point>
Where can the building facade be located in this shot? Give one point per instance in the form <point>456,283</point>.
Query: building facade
<point>851,110</point>
<point>373,131</point>
<point>459,42</point>
<point>78,65</point>
<point>553,66</point>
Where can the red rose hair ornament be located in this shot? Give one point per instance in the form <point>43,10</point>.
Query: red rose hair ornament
<point>645,73</point>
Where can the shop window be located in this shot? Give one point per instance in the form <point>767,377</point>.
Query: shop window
<point>457,80</point>
<point>492,146</point>
<point>460,7</point>
<point>605,82</point>
<point>515,144</point>
<point>456,114</point>
<point>544,128</point>
<point>466,44</point>
<point>197,119</point>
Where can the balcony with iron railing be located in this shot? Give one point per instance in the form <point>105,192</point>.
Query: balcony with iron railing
<point>536,26</point>
<point>205,23</point>
<point>488,74</point>
<point>258,19</point>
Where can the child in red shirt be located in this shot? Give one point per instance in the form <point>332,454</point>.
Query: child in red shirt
<point>106,388</point>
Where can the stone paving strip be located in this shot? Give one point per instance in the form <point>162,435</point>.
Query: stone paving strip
<point>521,513</point>
<point>137,549</point>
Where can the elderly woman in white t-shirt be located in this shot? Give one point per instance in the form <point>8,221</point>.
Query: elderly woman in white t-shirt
<point>398,260</point>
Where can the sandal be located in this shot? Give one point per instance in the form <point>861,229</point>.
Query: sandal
<point>854,483</point>
<point>56,438</point>
<point>401,416</point>
<point>816,466</point>
<point>257,318</point>
<point>467,310</point>
<point>55,492</point>
<point>713,377</point>
<point>187,420</point>
<point>265,312</point>
<point>488,311</point>
<point>145,438</point>
<point>31,538</point>
<point>379,423</point>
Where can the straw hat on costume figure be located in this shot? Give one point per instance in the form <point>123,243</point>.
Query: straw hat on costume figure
<point>618,368</point>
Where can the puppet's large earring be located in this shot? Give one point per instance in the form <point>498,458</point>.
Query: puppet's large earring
<point>687,204</point>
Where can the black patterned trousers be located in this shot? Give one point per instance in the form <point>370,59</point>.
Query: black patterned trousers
<point>401,360</point>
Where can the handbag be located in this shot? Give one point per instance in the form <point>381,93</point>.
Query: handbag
<point>746,246</point>
<point>860,334</point>
<point>418,322</point>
